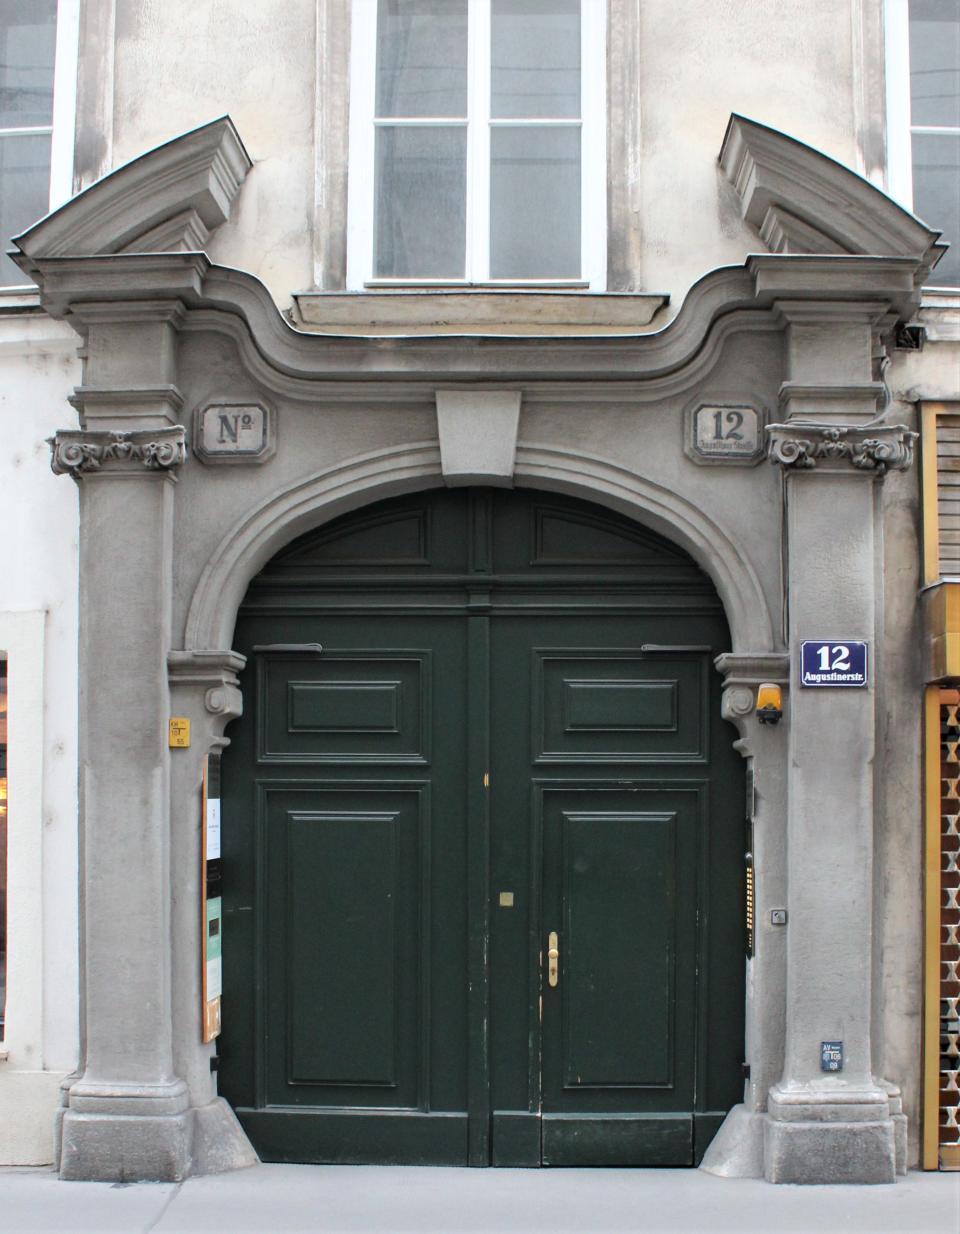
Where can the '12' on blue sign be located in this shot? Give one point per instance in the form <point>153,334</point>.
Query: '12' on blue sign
<point>833,663</point>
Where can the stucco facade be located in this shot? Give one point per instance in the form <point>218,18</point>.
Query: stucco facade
<point>760,267</point>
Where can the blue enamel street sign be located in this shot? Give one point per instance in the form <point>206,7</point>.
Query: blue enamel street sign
<point>833,663</point>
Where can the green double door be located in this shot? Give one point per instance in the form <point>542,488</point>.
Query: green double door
<point>483,838</point>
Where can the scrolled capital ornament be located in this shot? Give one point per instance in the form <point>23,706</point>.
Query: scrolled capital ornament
<point>801,445</point>
<point>81,453</point>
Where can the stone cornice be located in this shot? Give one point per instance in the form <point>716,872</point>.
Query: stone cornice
<point>83,453</point>
<point>744,668</point>
<point>132,402</point>
<point>211,676</point>
<point>742,673</point>
<point>845,402</point>
<point>874,449</point>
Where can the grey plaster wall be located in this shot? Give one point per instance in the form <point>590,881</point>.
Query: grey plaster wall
<point>676,70</point>
<point>178,64</point>
<point>644,434</point>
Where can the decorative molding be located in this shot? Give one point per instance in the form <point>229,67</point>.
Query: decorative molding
<point>168,199</point>
<point>275,521</point>
<point>751,668</point>
<point>80,453</point>
<point>742,673</point>
<point>130,403</point>
<point>874,448</point>
<point>867,398</point>
<point>737,703</point>
<point>802,201</point>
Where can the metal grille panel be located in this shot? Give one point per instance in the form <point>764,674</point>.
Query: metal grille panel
<point>949,940</point>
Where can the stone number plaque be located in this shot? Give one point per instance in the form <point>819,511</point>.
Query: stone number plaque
<point>232,433</point>
<point>723,432</point>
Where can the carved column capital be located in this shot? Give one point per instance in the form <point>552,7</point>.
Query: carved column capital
<point>80,453</point>
<point>874,449</point>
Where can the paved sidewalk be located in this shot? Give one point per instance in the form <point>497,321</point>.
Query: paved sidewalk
<point>274,1199</point>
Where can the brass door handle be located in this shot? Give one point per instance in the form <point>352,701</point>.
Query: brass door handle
<point>553,959</point>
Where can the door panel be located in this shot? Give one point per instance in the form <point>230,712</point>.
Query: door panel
<point>618,947</point>
<point>609,706</point>
<point>344,707</point>
<point>345,885</point>
<point>620,875</point>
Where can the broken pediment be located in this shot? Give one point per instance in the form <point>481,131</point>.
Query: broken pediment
<point>802,201</point>
<point>167,200</point>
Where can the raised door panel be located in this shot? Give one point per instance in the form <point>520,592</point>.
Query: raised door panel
<point>351,902</point>
<point>346,991</point>
<point>344,706</point>
<point>618,706</point>
<point>618,933</point>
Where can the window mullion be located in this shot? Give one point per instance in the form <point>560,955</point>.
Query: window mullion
<point>360,182</point>
<point>593,144</point>
<point>897,73</point>
<point>478,141</point>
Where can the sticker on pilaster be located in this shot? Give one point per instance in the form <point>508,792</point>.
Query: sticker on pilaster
<point>831,1055</point>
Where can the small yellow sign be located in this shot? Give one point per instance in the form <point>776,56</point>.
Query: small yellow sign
<point>179,732</point>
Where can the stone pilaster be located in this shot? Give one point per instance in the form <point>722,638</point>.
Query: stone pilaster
<point>831,1127</point>
<point>127,1115</point>
<point>737,1149</point>
<point>204,688</point>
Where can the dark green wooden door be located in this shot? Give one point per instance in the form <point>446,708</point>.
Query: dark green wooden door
<point>495,744</point>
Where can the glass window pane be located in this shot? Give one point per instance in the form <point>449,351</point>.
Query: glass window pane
<point>535,53</point>
<point>28,36</point>
<point>24,194</point>
<point>936,197</point>
<point>535,202</point>
<point>420,202</point>
<point>422,58</point>
<point>935,62</point>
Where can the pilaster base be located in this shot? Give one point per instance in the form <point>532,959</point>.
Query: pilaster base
<point>219,1142</point>
<point>829,1152</point>
<point>736,1151</point>
<point>126,1148</point>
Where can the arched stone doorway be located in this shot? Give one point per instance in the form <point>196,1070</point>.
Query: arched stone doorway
<point>474,720</point>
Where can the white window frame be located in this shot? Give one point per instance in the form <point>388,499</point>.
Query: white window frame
<point>593,154</point>
<point>900,131</point>
<point>63,121</point>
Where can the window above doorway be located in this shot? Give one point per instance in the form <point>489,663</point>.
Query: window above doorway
<point>477,144</point>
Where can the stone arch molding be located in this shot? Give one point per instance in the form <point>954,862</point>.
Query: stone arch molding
<point>248,546</point>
